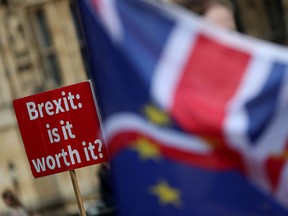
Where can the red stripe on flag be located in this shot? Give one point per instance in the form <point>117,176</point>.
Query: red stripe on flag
<point>210,79</point>
<point>219,159</point>
<point>97,4</point>
<point>274,167</point>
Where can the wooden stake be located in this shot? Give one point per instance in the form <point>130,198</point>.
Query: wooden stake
<point>77,192</point>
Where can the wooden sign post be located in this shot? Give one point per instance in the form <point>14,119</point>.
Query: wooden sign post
<point>77,192</point>
<point>61,131</point>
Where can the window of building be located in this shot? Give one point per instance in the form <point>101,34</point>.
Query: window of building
<point>79,30</point>
<point>46,51</point>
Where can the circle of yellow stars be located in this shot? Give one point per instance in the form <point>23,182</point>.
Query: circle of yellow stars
<point>148,150</point>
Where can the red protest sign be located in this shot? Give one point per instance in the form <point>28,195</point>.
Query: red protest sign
<point>60,129</point>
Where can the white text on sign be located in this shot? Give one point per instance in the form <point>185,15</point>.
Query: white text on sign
<point>68,157</point>
<point>50,108</point>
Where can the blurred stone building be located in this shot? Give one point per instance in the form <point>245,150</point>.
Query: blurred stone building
<point>265,19</point>
<point>40,49</point>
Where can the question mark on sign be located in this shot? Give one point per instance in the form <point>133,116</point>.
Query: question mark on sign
<point>98,141</point>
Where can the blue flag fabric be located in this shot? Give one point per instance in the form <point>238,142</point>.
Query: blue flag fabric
<point>195,116</point>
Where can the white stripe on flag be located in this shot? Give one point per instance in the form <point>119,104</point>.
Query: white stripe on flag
<point>170,67</point>
<point>110,18</point>
<point>236,123</point>
<point>126,122</point>
<point>274,139</point>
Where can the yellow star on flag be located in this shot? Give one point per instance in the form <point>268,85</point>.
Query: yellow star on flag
<point>282,156</point>
<point>156,115</point>
<point>147,150</point>
<point>166,194</point>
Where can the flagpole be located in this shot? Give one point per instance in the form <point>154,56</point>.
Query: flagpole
<point>77,192</point>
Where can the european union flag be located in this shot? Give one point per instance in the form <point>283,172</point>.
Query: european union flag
<point>195,116</point>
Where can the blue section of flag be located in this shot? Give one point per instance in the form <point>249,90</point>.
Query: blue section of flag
<point>145,34</point>
<point>202,192</point>
<point>122,71</point>
<point>122,74</point>
<point>262,108</point>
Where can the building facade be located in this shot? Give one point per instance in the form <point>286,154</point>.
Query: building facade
<point>263,19</point>
<point>41,48</point>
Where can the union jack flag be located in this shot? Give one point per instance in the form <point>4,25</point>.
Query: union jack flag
<point>195,116</point>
